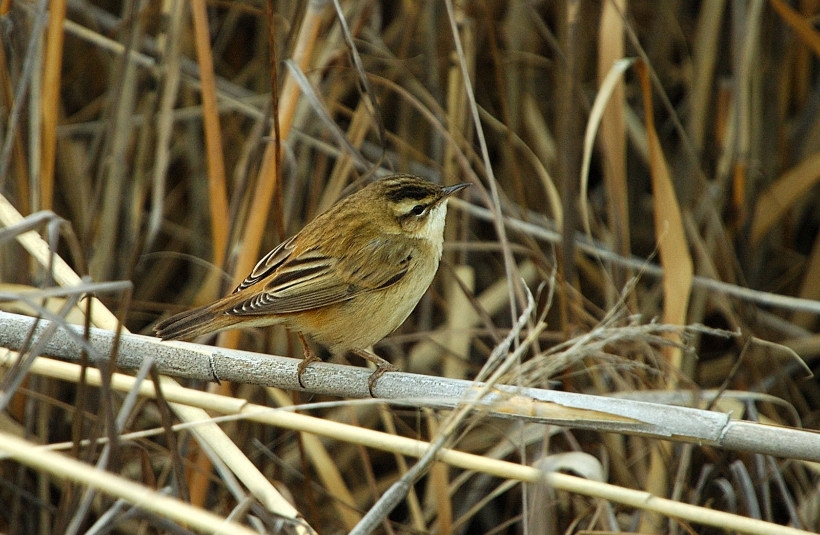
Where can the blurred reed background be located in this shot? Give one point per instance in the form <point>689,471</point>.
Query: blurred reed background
<point>148,127</point>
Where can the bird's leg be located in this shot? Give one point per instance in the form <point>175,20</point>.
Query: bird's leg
<point>309,356</point>
<point>382,367</point>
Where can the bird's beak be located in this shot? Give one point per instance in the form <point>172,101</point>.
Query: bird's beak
<point>449,190</point>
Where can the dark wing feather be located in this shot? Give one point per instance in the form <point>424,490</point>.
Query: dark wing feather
<point>312,280</point>
<point>268,263</point>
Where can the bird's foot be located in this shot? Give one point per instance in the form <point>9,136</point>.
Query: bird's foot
<point>382,367</point>
<point>309,356</point>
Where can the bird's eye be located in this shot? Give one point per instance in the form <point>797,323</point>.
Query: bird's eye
<point>417,209</point>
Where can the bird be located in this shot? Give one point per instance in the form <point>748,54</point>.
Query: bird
<point>349,278</point>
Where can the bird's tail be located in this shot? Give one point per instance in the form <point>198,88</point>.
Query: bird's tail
<point>193,323</point>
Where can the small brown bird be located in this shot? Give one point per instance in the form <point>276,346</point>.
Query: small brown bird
<point>347,280</point>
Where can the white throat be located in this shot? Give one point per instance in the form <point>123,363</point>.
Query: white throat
<point>434,229</point>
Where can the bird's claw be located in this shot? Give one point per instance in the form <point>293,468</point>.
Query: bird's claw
<point>380,370</point>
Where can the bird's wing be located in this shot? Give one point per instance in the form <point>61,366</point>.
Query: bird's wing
<point>268,264</point>
<point>284,283</point>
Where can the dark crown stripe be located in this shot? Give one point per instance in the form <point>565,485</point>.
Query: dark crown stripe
<point>401,191</point>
